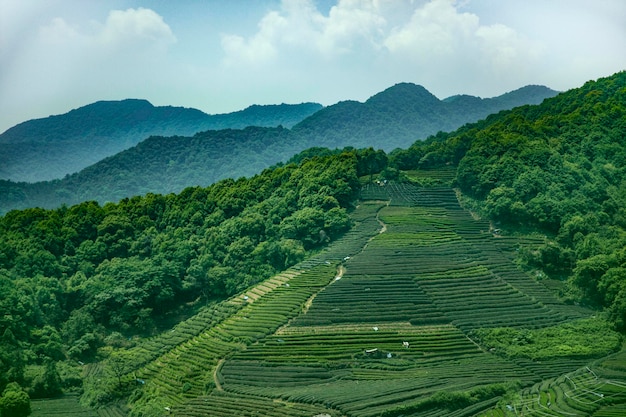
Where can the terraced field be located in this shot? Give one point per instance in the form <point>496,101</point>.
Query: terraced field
<point>69,406</point>
<point>381,324</point>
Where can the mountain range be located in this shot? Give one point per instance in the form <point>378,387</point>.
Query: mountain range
<point>52,147</point>
<point>394,118</point>
<point>404,113</point>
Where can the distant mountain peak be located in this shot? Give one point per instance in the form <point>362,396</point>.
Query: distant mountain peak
<point>402,92</point>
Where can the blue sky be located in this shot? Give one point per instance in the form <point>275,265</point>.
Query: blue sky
<point>221,56</point>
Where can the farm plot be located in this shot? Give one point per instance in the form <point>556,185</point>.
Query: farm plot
<point>388,334</point>
<point>361,371</point>
<point>378,324</point>
<point>223,404</point>
<point>580,393</point>
<point>456,263</point>
<point>191,369</point>
<point>67,405</point>
<point>435,271</point>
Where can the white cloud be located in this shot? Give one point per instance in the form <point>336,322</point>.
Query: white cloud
<point>425,42</point>
<point>434,29</point>
<point>70,63</point>
<point>139,26</point>
<point>299,27</point>
<point>132,29</point>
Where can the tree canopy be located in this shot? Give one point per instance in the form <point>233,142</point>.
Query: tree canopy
<point>73,276</point>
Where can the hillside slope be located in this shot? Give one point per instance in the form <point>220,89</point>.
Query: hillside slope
<point>380,324</point>
<point>52,147</point>
<point>401,303</point>
<point>75,279</point>
<point>559,167</point>
<point>394,117</point>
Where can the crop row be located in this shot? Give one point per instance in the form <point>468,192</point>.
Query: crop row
<point>371,299</point>
<point>223,404</point>
<point>67,405</point>
<point>361,370</point>
<point>208,317</point>
<point>261,316</point>
<point>583,392</point>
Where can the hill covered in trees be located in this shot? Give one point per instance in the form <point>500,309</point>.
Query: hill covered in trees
<point>52,147</point>
<point>76,279</point>
<point>560,168</point>
<point>395,117</point>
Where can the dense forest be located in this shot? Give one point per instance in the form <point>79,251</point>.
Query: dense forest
<point>559,168</point>
<point>393,118</point>
<point>55,146</point>
<point>76,279</point>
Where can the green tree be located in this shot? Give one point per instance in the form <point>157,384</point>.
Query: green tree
<point>14,402</point>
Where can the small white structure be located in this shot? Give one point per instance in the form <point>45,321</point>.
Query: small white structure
<point>245,297</point>
<point>405,344</point>
<point>389,355</point>
<point>375,328</point>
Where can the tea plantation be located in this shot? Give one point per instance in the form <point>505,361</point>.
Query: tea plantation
<point>419,310</point>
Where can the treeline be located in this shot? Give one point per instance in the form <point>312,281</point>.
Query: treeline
<point>559,167</point>
<point>78,278</point>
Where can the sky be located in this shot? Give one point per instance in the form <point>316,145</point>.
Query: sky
<point>221,56</point>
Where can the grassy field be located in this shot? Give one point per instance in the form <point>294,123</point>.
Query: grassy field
<point>418,311</point>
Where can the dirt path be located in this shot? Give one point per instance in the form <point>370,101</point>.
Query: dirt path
<point>307,305</point>
<point>382,224</point>
<point>218,385</point>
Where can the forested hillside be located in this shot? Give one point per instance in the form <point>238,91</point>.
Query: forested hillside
<point>395,117</point>
<point>78,279</point>
<point>52,147</point>
<point>161,165</point>
<point>560,168</point>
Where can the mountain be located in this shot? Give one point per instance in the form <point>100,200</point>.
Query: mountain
<point>398,116</point>
<point>394,117</point>
<point>52,147</point>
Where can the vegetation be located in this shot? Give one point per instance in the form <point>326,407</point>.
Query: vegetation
<point>77,279</point>
<point>395,117</point>
<point>558,168</point>
<point>55,146</point>
<point>588,338</point>
<point>345,282</point>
